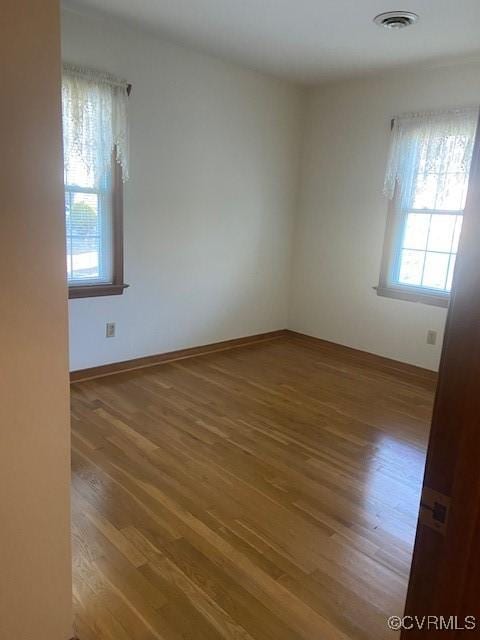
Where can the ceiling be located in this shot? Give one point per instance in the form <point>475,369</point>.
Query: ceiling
<point>307,40</point>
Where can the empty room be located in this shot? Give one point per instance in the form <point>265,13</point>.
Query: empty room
<point>241,327</point>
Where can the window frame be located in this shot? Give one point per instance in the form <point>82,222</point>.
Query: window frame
<point>117,286</point>
<point>388,289</point>
<point>395,225</point>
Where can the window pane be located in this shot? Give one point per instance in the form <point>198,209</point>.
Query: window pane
<point>416,231</point>
<point>84,214</point>
<point>84,236</point>
<point>433,176</point>
<point>85,257</point>
<point>435,272</point>
<point>411,267</point>
<point>87,111</point>
<point>440,237</point>
<point>450,272</point>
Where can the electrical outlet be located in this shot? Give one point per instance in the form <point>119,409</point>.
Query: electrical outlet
<point>431,337</point>
<point>110,330</point>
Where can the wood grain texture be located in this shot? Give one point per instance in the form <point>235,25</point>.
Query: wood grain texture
<point>263,493</point>
<point>423,376</point>
<point>180,354</point>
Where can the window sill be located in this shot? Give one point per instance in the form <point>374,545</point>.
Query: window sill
<point>95,290</point>
<point>414,296</point>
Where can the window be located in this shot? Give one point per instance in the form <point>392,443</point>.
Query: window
<point>95,167</point>
<point>427,182</point>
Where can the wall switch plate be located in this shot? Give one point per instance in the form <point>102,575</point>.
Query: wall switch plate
<point>110,330</point>
<point>431,337</point>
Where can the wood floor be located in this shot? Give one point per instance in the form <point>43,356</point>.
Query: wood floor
<point>268,492</point>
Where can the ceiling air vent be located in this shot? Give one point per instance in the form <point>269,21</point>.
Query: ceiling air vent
<point>396,19</point>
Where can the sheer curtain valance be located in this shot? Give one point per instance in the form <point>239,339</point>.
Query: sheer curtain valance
<point>95,124</point>
<point>439,141</point>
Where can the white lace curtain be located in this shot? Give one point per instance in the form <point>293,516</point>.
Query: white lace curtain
<point>437,140</point>
<point>95,124</point>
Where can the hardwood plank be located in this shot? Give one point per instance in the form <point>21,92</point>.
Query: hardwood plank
<point>262,493</point>
<point>170,356</point>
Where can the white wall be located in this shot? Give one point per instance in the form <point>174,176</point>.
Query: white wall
<point>342,214</point>
<point>214,190</point>
<point>209,206</point>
